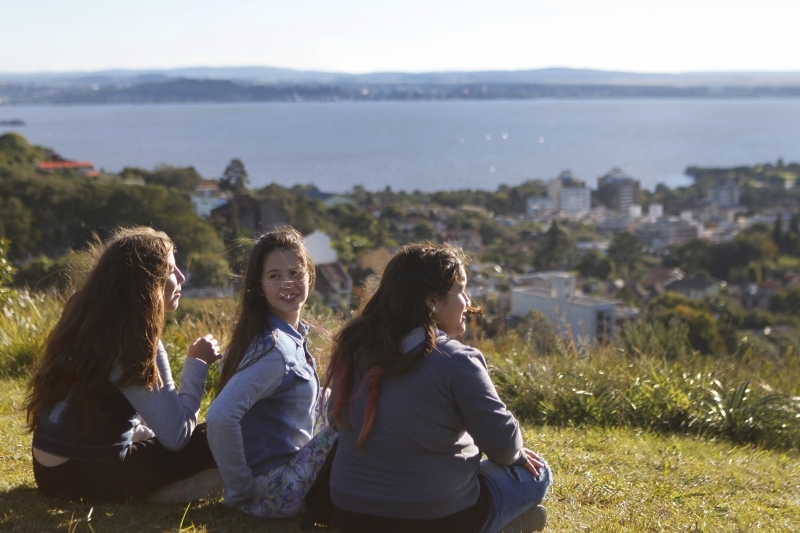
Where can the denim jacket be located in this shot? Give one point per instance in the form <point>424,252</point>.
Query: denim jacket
<point>266,412</point>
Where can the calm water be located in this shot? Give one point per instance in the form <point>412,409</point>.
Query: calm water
<point>424,145</point>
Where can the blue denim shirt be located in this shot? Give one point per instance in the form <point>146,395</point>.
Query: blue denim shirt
<point>266,412</point>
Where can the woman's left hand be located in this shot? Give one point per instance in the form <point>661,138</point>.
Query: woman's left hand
<point>534,463</point>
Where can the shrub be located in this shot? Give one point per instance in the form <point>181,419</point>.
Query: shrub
<point>702,328</point>
<point>209,270</point>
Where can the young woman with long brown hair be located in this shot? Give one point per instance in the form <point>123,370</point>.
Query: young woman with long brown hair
<point>264,427</point>
<point>415,408</point>
<point>107,421</point>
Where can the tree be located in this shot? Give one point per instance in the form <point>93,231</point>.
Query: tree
<point>209,270</point>
<point>184,179</point>
<point>556,250</point>
<point>235,177</point>
<point>786,302</point>
<point>17,225</point>
<point>423,231</point>
<point>703,333</point>
<point>791,241</point>
<point>777,230</point>
<point>594,265</point>
<point>626,252</point>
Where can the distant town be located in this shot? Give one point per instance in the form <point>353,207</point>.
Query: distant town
<point>722,255</point>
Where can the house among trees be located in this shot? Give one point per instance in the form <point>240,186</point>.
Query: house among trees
<point>695,288</point>
<point>468,240</point>
<point>329,199</point>
<point>333,283</point>
<point>56,163</point>
<point>206,197</point>
<point>757,295</point>
<point>319,247</point>
<point>667,231</point>
<point>583,318</point>
<point>251,214</point>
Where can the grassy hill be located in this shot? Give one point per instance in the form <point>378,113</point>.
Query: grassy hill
<point>641,435</point>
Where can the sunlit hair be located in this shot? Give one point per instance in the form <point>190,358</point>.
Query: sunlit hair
<point>115,318</point>
<point>253,308</point>
<point>368,348</point>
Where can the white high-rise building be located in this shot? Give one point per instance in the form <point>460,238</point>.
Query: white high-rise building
<point>655,211</point>
<point>569,195</point>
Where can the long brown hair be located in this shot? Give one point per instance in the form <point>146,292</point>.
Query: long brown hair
<point>371,343</point>
<point>115,318</point>
<point>253,309</point>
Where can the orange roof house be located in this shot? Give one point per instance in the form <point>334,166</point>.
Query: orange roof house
<point>52,166</point>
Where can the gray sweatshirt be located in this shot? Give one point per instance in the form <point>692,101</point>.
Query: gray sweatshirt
<point>170,413</point>
<point>422,456</point>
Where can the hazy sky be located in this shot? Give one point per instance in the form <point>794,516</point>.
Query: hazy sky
<point>401,35</point>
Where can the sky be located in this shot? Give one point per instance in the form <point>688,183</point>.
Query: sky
<point>358,36</point>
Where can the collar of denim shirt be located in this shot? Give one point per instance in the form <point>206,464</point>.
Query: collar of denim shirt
<point>297,335</point>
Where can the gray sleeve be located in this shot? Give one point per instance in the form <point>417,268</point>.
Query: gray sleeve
<point>171,414</point>
<point>224,417</point>
<point>493,428</point>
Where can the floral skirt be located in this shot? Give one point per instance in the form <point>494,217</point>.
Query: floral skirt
<point>280,492</point>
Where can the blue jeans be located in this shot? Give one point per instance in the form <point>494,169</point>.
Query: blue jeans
<point>514,490</point>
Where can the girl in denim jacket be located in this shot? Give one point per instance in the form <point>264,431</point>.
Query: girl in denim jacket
<point>263,426</point>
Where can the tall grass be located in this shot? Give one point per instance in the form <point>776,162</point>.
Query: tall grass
<point>25,320</point>
<point>648,378</point>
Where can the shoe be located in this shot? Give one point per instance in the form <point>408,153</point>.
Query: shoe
<point>534,519</point>
<point>204,485</point>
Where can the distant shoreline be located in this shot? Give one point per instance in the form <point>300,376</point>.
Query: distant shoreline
<point>186,90</point>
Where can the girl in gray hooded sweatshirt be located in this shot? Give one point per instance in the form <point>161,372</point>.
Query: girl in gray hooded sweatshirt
<point>416,410</point>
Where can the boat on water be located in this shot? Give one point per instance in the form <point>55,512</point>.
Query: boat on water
<point>14,122</point>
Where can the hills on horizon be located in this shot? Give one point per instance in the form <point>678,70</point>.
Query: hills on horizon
<point>273,75</point>
<point>264,84</point>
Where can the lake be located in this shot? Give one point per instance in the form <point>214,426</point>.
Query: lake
<point>423,145</point>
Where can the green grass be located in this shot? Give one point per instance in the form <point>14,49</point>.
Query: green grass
<point>642,434</point>
<point>606,480</point>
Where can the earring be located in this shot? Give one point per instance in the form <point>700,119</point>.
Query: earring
<point>433,309</point>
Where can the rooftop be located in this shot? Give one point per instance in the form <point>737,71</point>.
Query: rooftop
<point>64,165</point>
<point>579,299</point>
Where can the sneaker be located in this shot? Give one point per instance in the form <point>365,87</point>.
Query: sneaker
<point>534,519</point>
